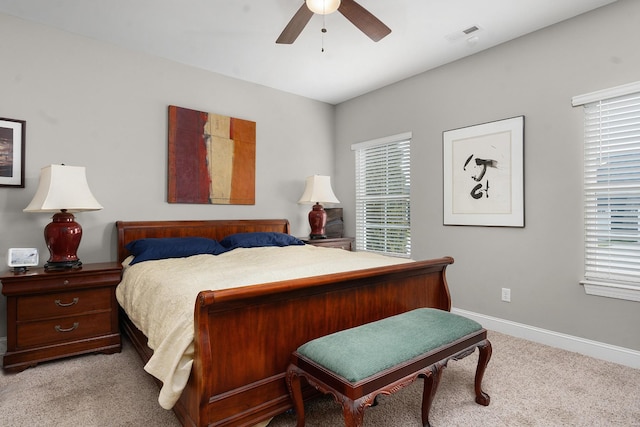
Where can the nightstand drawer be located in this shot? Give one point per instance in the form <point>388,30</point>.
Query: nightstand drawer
<point>63,304</point>
<point>58,281</point>
<point>65,329</point>
<point>345,243</point>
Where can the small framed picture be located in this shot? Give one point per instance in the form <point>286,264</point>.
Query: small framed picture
<point>12,140</point>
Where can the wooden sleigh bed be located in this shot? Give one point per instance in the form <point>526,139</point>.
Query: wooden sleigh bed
<point>244,336</point>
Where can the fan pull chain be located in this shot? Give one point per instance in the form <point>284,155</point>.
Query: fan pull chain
<point>324,30</point>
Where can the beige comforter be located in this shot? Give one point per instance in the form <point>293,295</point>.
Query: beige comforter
<point>159,296</point>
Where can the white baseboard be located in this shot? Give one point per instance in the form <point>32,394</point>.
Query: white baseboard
<point>599,350</point>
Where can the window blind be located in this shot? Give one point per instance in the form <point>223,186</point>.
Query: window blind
<point>383,200</point>
<point>612,190</point>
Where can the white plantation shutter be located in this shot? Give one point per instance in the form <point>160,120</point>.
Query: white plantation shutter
<point>383,199</point>
<point>612,194</point>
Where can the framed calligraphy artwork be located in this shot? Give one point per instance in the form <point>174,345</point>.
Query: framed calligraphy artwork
<point>484,174</point>
<point>12,136</point>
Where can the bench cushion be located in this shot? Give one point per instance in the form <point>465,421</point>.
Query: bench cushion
<point>363,351</point>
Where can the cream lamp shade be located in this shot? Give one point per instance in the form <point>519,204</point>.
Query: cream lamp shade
<point>63,189</point>
<point>316,191</point>
<point>323,7</point>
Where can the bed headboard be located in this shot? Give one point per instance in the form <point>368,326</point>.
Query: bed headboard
<point>213,229</point>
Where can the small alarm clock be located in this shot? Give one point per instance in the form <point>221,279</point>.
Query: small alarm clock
<point>21,258</point>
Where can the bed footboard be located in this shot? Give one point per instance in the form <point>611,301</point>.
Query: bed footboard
<point>245,336</point>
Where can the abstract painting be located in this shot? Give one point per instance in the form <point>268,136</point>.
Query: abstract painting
<point>212,158</point>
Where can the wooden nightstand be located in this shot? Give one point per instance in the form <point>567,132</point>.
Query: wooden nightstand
<point>54,314</point>
<point>345,243</point>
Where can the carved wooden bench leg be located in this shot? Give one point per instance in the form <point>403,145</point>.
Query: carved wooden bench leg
<point>295,390</point>
<point>485,350</point>
<point>431,382</point>
<point>353,412</point>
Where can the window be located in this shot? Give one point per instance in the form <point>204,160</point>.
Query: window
<point>612,192</point>
<point>383,199</point>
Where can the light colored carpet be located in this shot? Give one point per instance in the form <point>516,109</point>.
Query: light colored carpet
<point>529,385</point>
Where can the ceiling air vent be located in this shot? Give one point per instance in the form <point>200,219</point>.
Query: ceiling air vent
<point>471,30</point>
<point>463,34</point>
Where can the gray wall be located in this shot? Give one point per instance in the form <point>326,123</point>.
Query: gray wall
<point>91,104</point>
<point>534,76</point>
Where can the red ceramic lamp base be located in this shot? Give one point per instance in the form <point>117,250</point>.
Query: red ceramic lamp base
<point>317,221</point>
<point>63,237</point>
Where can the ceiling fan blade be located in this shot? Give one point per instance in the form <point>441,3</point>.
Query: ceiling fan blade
<point>364,20</point>
<point>295,26</point>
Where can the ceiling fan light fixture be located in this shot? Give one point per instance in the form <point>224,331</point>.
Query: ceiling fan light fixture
<point>323,7</point>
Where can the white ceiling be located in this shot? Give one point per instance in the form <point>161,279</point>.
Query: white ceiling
<point>237,38</point>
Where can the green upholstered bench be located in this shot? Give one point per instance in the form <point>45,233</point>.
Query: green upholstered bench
<point>358,364</point>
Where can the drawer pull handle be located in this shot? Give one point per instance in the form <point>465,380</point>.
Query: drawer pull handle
<point>67,304</point>
<point>74,327</point>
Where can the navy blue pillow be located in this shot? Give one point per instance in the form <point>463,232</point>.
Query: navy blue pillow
<point>259,239</point>
<point>172,247</point>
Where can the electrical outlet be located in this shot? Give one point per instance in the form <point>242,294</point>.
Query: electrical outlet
<point>506,294</point>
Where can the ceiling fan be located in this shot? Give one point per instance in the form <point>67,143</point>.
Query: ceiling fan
<point>358,15</point>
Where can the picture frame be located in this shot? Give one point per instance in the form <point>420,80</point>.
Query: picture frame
<point>12,145</point>
<point>483,167</point>
<point>212,158</point>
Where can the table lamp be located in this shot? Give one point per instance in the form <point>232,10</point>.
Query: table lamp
<point>318,190</point>
<point>63,189</point>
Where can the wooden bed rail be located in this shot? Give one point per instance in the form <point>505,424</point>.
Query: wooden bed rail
<point>282,288</point>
